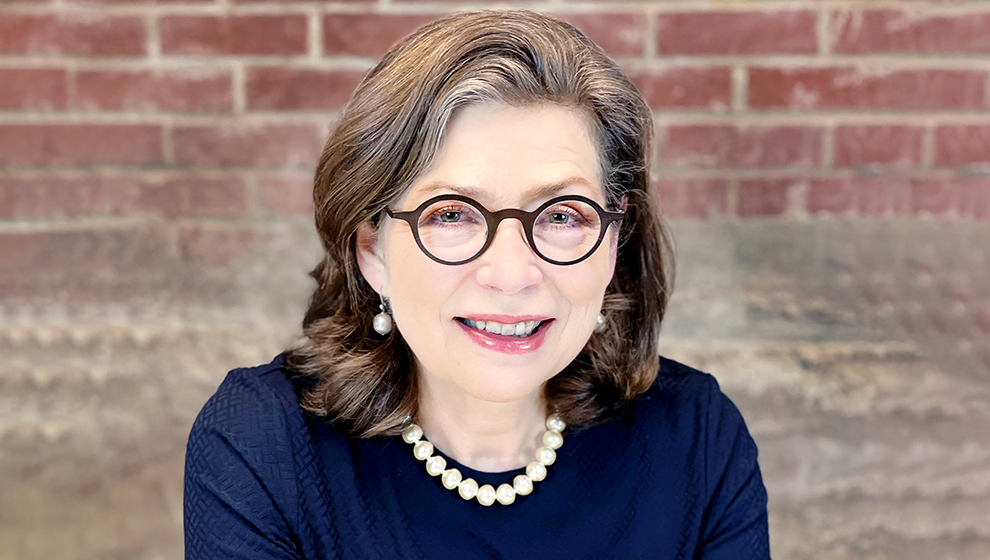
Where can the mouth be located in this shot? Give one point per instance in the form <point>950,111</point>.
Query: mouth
<point>522,329</point>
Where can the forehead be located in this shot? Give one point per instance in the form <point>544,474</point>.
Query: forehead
<point>502,155</point>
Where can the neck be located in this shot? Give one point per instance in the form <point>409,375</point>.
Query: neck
<point>483,435</point>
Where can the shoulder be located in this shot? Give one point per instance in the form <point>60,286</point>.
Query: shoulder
<point>251,402</point>
<point>242,457</point>
<point>682,389</point>
<point>688,405</point>
<point>690,409</point>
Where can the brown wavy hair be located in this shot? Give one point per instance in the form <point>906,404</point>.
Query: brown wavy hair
<point>387,136</point>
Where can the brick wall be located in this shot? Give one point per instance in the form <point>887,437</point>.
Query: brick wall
<point>825,164</point>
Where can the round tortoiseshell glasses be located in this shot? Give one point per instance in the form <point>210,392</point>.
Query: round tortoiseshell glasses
<point>454,229</point>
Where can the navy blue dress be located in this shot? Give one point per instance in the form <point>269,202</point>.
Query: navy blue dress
<point>676,477</point>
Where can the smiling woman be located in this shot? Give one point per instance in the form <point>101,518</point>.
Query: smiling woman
<point>494,281</point>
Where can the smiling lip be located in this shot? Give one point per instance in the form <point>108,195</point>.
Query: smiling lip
<point>507,319</point>
<point>508,344</point>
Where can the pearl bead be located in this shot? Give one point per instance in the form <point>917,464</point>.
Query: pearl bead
<point>451,478</point>
<point>522,484</point>
<point>553,439</point>
<point>412,434</point>
<point>486,495</point>
<point>435,465</point>
<point>422,450</point>
<point>382,323</point>
<point>546,455</point>
<point>536,471</point>
<point>505,494</point>
<point>467,488</point>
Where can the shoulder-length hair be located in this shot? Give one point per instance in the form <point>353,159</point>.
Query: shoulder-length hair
<point>387,136</point>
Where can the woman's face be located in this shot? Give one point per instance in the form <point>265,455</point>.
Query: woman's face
<point>502,154</point>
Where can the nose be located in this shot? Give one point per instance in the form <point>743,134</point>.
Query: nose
<point>509,264</point>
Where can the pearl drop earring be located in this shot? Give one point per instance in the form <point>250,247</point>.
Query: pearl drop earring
<point>383,321</point>
<point>600,324</point>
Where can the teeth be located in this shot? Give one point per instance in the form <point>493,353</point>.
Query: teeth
<point>523,328</point>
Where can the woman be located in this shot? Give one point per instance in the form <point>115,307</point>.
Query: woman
<point>479,374</point>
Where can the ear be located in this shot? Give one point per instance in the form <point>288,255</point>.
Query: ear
<point>369,257</point>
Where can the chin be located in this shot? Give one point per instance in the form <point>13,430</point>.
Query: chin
<point>502,390</point>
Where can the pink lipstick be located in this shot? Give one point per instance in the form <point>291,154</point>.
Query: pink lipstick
<point>504,343</point>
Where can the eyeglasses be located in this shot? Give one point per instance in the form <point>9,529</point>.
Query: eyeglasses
<point>453,229</point>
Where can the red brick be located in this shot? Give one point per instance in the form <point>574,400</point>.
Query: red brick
<point>368,34</point>
<point>709,88</point>
<point>32,89</point>
<point>897,31</point>
<point>221,245</point>
<point>72,35</point>
<point>453,2</point>
<point>185,90</point>
<point>724,145</point>
<point>618,34</point>
<point>292,145</point>
<point>30,251</point>
<point>142,1</point>
<point>698,33</point>
<point>933,197</point>
<point>872,145</point>
<point>763,197</point>
<point>863,196</point>
<point>358,2</point>
<point>877,196</point>
<point>75,266</point>
<point>286,194</point>
<point>253,34</point>
<point>278,88</point>
<point>962,145</point>
<point>832,196</point>
<point>189,195</point>
<point>849,88</point>
<point>973,197</point>
<point>51,197</point>
<point>693,198</point>
<point>963,196</point>
<point>57,144</point>
<point>80,249</point>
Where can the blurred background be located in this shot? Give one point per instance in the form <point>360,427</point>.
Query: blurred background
<point>825,165</point>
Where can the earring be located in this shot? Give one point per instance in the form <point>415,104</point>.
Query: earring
<point>383,321</point>
<point>600,324</point>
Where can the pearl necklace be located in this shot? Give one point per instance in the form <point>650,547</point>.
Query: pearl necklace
<point>487,495</point>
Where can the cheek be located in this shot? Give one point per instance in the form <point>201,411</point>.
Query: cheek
<point>418,286</point>
<point>585,286</point>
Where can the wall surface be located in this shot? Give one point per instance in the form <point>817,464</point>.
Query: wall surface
<point>825,165</point>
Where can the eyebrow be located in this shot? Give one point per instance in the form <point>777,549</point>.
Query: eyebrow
<point>536,193</point>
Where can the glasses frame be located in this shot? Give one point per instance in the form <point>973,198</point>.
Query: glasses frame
<point>527,219</point>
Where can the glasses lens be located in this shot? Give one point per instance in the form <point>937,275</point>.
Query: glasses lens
<point>567,230</point>
<point>452,230</point>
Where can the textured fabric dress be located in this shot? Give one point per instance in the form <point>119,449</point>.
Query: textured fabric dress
<point>675,477</point>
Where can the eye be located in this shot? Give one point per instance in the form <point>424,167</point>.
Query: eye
<point>449,215</point>
<point>563,215</point>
